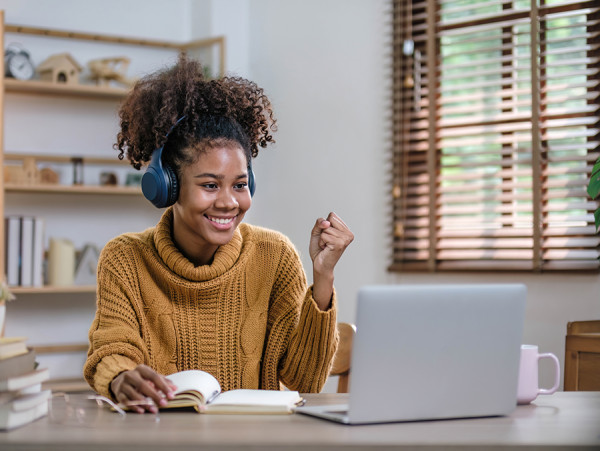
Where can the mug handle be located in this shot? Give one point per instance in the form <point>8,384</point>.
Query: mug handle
<point>549,391</point>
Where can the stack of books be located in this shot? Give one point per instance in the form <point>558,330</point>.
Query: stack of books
<point>22,399</point>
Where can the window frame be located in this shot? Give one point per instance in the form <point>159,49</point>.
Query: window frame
<point>416,114</point>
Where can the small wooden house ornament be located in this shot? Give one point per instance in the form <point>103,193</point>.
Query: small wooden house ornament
<point>60,68</point>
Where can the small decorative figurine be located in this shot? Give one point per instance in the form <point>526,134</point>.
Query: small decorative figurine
<point>105,70</point>
<point>60,68</point>
<point>77,170</point>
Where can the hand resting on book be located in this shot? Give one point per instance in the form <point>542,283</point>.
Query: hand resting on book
<point>201,391</point>
<point>136,386</point>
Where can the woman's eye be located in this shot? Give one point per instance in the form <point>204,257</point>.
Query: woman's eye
<point>210,185</point>
<point>241,185</point>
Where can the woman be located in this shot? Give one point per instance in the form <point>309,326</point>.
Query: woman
<point>201,289</point>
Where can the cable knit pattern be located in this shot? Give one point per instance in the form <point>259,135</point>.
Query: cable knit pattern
<point>248,318</point>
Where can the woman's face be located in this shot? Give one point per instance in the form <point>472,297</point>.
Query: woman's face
<point>213,198</point>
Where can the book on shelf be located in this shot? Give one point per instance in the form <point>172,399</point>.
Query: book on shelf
<point>201,391</point>
<point>39,227</point>
<point>13,249</point>
<point>23,409</point>
<point>26,251</point>
<point>12,346</point>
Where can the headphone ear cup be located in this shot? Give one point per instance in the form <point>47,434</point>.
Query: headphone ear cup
<point>251,181</point>
<point>251,178</point>
<point>156,182</point>
<point>172,185</point>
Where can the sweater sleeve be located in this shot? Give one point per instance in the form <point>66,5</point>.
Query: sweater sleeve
<point>302,338</point>
<point>115,341</point>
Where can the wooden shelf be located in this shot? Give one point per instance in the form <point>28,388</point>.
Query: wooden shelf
<point>12,156</point>
<point>49,289</point>
<point>61,349</point>
<point>218,41</point>
<point>74,189</point>
<point>67,385</point>
<point>37,87</point>
<point>49,32</point>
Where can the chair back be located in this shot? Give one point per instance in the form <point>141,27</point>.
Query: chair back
<point>341,361</point>
<point>582,356</point>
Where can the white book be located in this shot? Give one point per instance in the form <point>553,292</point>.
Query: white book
<point>21,399</point>
<point>26,251</point>
<point>13,249</point>
<point>28,401</point>
<point>26,380</point>
<point>38,251</point>
<point>24,411</point>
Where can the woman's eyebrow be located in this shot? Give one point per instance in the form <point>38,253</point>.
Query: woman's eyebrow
<point>219,176</point>
<point>209,175</point>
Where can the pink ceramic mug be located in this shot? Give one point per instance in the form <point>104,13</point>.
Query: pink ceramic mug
<point>528,374</point>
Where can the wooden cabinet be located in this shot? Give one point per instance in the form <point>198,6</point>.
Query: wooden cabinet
<point>38,311</point>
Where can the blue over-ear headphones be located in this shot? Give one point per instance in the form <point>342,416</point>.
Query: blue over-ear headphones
<point>159,182</point>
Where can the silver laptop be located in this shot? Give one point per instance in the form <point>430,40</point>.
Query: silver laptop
<point>426,352</point>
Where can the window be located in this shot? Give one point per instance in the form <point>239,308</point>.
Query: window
<point>496,118</point>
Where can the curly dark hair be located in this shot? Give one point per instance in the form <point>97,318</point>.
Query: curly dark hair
<point>213,111</point>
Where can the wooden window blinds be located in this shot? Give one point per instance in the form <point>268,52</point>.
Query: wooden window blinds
<point>495,133</point>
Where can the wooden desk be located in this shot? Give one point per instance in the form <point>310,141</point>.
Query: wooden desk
<point>565,420</point>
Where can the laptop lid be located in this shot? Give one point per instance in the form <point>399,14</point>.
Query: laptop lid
<point>426,352</point>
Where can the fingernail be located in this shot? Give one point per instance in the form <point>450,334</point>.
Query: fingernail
<point>163,402</point>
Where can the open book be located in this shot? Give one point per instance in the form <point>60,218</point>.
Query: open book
<point>200,390</point>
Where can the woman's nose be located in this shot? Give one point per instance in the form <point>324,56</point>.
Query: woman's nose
<point>226,200</point>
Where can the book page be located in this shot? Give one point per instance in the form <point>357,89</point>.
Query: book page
<point>195,382</point>
<point>254,401</point>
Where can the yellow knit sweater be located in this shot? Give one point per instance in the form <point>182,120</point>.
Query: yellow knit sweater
<point>248,318</point>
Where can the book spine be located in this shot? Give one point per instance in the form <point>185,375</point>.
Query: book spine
<point>13,249</point>
<point>38,251</point>
<point>26,251</point>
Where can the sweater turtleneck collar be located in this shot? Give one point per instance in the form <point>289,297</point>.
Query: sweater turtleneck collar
<point>225,257</point>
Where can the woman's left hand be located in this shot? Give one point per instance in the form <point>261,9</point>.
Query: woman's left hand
<point>329,239</point>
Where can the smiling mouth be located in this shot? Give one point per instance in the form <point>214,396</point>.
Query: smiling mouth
<point>221,221</point>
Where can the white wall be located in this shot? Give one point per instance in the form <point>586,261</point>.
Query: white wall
<point>325,66</point>
<point>152,19</point>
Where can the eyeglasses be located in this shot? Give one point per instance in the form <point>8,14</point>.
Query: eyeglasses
<point>80,409</point>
